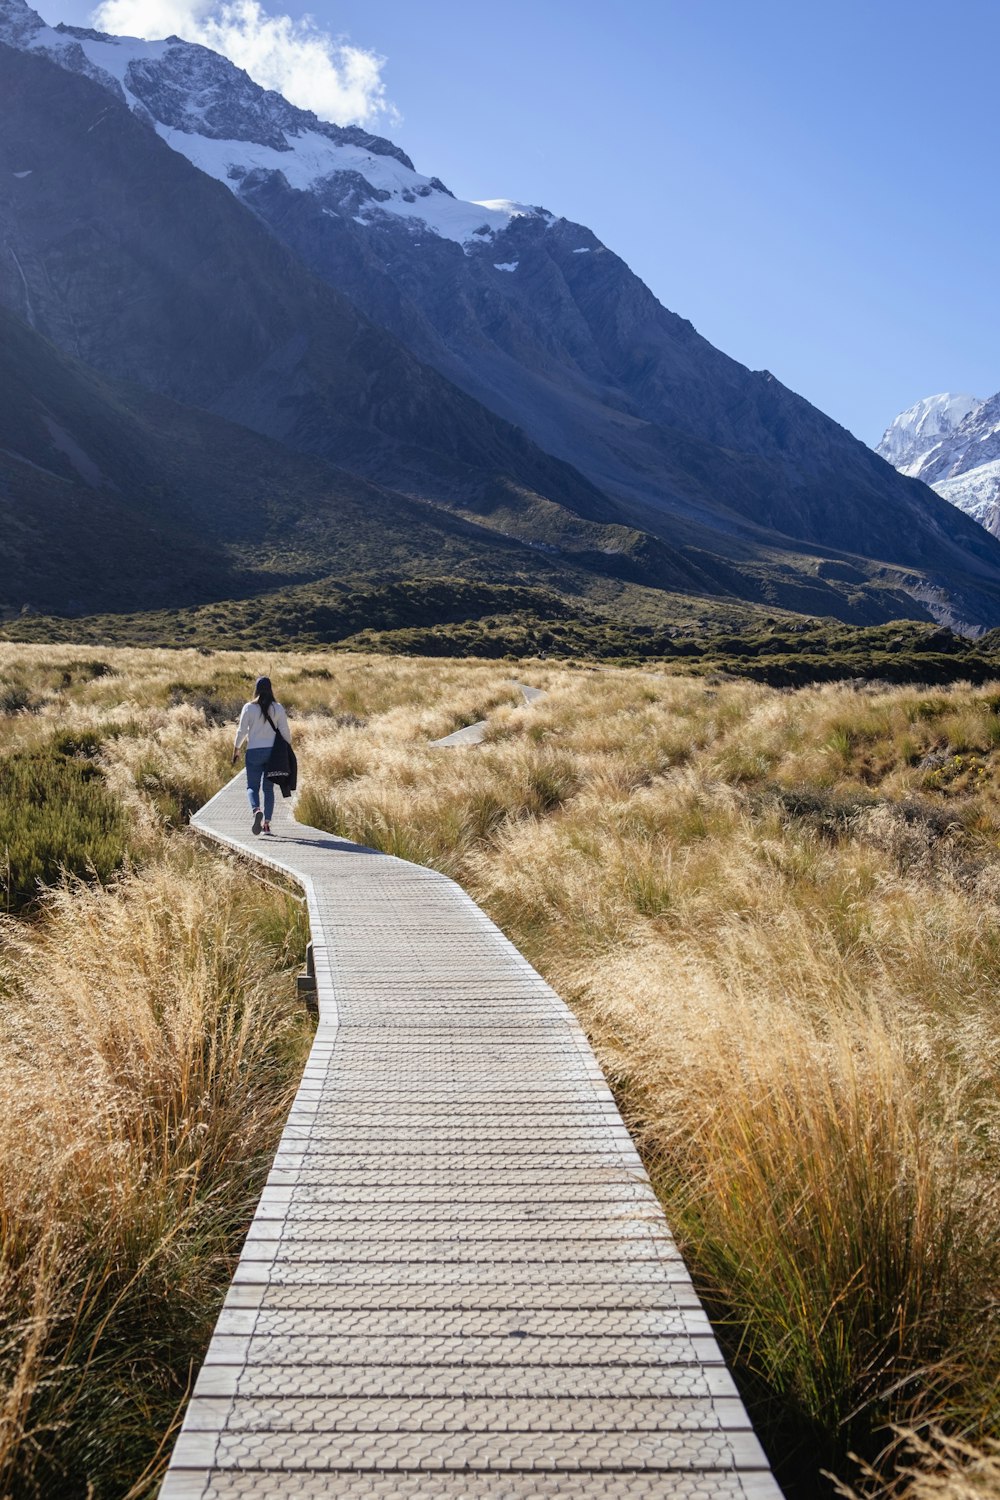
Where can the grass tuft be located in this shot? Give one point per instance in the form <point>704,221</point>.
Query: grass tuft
<point>150,1052</point>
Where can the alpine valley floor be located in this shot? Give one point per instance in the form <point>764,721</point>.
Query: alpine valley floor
<point>774,913</point>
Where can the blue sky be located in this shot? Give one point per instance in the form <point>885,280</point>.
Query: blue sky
<point>812,184</point>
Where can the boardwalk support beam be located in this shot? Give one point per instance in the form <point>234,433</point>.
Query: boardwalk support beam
<point>306,983</point>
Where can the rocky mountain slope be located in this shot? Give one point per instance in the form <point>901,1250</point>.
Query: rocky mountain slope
<point>952,443</point>
<point>112,498</point>
<point>205,306</point>
<point>170,224</point>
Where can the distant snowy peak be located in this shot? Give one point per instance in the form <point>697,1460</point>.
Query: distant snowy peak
<point>213,113</point>
<point>977,492</point>
<point>909,440</point>
<point>952,443</point>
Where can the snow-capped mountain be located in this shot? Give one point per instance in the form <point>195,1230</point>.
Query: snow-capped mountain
<point>952,443</point>
<point>228,126</point>
<point>528,313</point>
<point>170,224</point>
<point>913,435</point>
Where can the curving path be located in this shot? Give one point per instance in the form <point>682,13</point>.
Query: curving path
<point>474,734</point>
<point>458,1282</point>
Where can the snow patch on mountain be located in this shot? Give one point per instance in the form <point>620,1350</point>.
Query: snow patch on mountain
<point>912,435</point>
<point>310,161</point>
<point>977,493</point>
<point>952,443</point>
<point>212,112</point>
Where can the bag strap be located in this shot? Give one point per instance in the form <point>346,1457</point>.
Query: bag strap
<point>267,716</point>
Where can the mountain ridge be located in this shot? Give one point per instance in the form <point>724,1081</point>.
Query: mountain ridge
<point>272,357</point>
<point>518,375</point>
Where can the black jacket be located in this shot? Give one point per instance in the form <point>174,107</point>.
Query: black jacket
<point>282,766</point>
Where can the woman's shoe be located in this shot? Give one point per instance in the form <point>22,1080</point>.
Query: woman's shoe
<point>267,828</point>
<point>258,818</point>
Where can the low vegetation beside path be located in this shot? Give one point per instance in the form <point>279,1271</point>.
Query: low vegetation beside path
<point>778,914</point>
<point>776,911</point>
<point>150,1044</point>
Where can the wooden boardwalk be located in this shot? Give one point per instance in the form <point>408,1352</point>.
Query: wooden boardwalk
<point>458,1282</point>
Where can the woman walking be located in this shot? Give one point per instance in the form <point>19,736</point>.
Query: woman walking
<point>262,719</point>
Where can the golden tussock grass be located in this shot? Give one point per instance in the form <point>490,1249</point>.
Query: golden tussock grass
<point>150,1051</point>
<point>937,1466</point>
<point>150,1044</point>
<point>778,915</point>
<point>780,923</point>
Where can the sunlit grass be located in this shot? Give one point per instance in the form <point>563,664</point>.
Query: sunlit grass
<point>783,936</point>
<point>150,1044</point>
<point>778,915</point>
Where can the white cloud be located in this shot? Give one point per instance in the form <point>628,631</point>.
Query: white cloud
<point>310,67</point>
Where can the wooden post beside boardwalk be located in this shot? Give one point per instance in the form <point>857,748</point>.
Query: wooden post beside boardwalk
<point>458,1282</point>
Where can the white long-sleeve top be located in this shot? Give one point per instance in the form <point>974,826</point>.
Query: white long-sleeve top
<point>254,728</point>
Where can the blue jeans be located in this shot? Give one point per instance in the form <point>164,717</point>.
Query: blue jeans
<point>256,762</point>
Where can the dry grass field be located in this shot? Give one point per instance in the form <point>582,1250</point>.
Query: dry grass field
<point>150,1044</point>
<point>777,914</point>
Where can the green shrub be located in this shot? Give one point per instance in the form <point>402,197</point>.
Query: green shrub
<point>91,670</point>
<point>220,702</point>
<point>56,813</point>
<point>14,698</point>
<point>82,742</point>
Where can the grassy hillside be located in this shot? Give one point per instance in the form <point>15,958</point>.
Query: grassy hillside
<point>613,623</point>
<point>775,910</point>
<point>193,529</point>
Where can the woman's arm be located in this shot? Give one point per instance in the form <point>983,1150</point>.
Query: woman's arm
<point>281,722</point>
<point>242,730</point>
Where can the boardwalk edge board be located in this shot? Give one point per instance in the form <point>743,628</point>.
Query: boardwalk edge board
<point>458,1282</point>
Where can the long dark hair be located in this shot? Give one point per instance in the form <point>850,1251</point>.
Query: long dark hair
<point>263,694</point>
